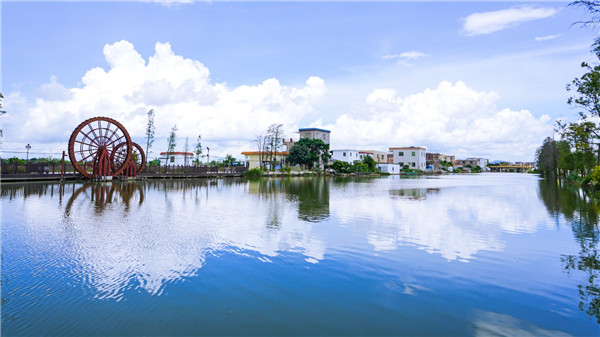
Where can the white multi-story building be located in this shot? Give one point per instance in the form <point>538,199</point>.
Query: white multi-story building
<point>412,156</point>
<point>348,156</point>
<point>315,133</point>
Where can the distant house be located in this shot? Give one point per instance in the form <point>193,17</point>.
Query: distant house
<point>389,168</point>
<point>434,160</point>
<point>254,158</point>
<point>412,156</point>
<point>378,156</point>
<point>315,133</point>
<point>176,158</point>
<point>473,162</point>
<point>348,156</point>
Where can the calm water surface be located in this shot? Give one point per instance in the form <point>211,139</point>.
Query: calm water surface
<point>488,254</point>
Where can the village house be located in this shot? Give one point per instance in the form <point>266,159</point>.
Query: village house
<point>412,156</point>
<point>348,156</point>
<point>389,168</point>
<point>434,160</point>
<point>254,158</point>
<point>473,162</point>
<point>315,133</point>
<point>176,158</point>
<point>379,156</point>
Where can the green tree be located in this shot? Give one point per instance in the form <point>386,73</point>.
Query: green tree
<point>198,149</point>
<point>564,163</point>
<point>274,142</point>
<point>150,132</point>
<point>586,91</point>
<point>370,163</point>
<point>310,152</point>
<point>546,158</point>
<point>229,160</point>
<point>341,166</point>
<point>300,155</point>
<point>580,136</point>
<point>171,142</point>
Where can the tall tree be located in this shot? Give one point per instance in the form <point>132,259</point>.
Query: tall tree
<point>198,149</point>
<point>310,152</point>
<point>171,143</point>
<point>274,137</point>
<point>150,132</point>
<point>259,142</point>
<point>185,152</point>
<point>586,91</point>
<point>546,158</point>
<point>2,112</point>
<point>300,154</point>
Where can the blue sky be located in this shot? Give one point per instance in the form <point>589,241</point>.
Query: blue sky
<point>465,78</point>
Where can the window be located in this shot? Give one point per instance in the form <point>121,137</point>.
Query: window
<point>344,154</point>
<point>172,159</point>
<point>413,154</point>
<point>401,164</point>
<point>400,153</point>
<point>413,164</point>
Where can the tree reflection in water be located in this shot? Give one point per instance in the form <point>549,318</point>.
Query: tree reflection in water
<point>581,212</point>
<point>311,195</point>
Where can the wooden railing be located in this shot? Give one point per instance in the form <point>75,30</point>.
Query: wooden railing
<point>47,169</point>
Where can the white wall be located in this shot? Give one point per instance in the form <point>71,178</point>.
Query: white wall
<point>348,156</point>
<point>177,159</point>
<point>413,157</point>
<point>389,168</point>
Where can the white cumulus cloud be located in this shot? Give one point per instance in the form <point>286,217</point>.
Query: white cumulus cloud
<point>177,88</point>
<point>490,22</point>
<point>452,118</point>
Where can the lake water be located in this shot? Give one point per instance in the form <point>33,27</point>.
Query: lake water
<point>487,254</point>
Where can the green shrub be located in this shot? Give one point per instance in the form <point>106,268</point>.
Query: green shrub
<point>286,170</point>
<point>592,180</point>
<point>253,173</point>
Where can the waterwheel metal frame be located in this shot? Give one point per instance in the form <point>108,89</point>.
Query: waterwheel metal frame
<point>93,141</point>
<point>136,164</point>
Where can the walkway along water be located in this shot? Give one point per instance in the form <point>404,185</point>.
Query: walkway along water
<point>51,171</point>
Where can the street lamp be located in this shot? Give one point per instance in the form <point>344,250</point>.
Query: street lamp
<point>207,155</point>
<point>27,147</point>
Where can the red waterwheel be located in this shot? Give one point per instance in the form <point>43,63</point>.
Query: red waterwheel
<point>136,164</point>
<point>92,143</point>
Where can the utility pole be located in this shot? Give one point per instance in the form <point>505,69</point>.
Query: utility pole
<point>207,155</point>
<point>27,147</point>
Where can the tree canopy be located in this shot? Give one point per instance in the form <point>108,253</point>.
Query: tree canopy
<point>308,151</point>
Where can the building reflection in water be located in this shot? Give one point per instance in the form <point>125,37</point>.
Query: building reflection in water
<point>581,212</point>
<point>412,193</point>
